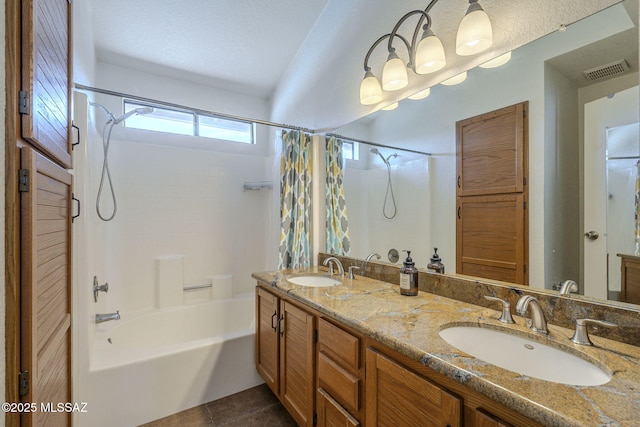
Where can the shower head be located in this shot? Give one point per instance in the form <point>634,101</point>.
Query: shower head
<point>141,110</point>
<point>374,150</point>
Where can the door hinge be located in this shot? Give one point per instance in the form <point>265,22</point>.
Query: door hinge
<point>23,103</point>
<point>524,268</point>
<point>524,181</point>
<point>524,205</point>
<point>23,180</point>
<point>315,419</point>
<point>315,335</point>
<point>524,113</point>
<point>23,383</point>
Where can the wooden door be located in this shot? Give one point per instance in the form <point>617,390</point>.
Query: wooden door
<point>491,152</point>
<point>399,397</point>
<point>297,362</point>
<point>267,348</point>
<point>492,222</point>
<point>46,71</point>
<point>490,237</point>
<point>45,287</point>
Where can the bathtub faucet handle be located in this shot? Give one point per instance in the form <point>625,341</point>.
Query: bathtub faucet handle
<point>98,288</point>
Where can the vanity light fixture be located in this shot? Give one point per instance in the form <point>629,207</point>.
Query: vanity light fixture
<point>426,54</point>
<point>391,107</point>
<point>474,33</point>
<point>370,90</point>
<point>421,95</point>
<point>497,61</point>
<point>456,80</point>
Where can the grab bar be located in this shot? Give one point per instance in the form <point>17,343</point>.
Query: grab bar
<point>194,287</point>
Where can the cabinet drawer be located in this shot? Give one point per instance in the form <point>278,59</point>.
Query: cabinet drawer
<point>339,345</point>
<point>342,385</point>
<point>330,413</point>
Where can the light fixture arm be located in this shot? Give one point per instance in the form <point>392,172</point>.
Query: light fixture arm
<point>377,42</point>
<point>410,47</point>
<point>424,15</point>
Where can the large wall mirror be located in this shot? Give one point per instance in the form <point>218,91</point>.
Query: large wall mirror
<point>569,115</point>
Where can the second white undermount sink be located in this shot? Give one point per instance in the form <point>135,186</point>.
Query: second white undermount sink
<point>524,356</point>
<point>314,280</point>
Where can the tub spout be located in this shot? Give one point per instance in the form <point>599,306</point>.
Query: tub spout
<point>105,317</point>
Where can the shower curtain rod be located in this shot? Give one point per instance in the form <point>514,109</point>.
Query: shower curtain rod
<point>233,117</point>
<point>375,144</point>
<point>184,107</point>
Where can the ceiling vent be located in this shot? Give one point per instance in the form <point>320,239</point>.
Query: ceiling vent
<point>605,71</point>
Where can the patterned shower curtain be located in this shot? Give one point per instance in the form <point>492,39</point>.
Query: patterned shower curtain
<point>295,196</point>
<point>337,225</point>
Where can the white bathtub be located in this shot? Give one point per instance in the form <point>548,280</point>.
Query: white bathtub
<point>155,363</point>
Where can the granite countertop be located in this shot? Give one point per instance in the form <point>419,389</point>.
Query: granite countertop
<point>411,326</point>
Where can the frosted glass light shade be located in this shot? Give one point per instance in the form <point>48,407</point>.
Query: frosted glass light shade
<point>391,107</point>
<point>370,90</point>
<point>394,73</point>
<point>497,61</point>
<point>420,95</point>
<point>455,80</point>
<point>429,54</point>
<point>474,33</point>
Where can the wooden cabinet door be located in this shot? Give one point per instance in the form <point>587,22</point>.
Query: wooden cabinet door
<point>267,347</point>
<point>491,240</point>
<point>331,414</point>
<point>46,71</point>
<point>46,287</point>
<point>485,419</point>
<point>297,362</point>
<point>491,152</point>
<point>398,397</point>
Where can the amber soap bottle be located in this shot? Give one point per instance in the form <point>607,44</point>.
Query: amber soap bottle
<point>409,277</point>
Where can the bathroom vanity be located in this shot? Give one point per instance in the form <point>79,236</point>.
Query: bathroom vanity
<point>359,353</point>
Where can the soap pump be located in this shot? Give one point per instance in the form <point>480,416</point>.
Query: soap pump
<point>409,277</point>
<point>436,265</point>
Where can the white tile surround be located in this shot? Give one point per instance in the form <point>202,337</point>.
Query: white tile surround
<point>175,201</point>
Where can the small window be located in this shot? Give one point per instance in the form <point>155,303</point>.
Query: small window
<point>231,130</point>
<point>350,150</point>
<point>184,122</point>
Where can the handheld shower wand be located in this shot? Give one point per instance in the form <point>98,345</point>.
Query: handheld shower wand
<point>374,150</point>
<point>106,142</point>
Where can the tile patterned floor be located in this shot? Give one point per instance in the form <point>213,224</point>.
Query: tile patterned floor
<point>255,407</point>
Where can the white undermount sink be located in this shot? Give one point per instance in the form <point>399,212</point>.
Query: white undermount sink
<point>524,356</point>
<point>314,280</point>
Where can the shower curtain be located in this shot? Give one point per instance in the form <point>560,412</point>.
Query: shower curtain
<point>295,196</point>
<point>337,225</point>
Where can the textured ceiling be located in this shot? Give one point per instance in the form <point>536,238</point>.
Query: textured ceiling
<point>298,50</point>
<point>240,45</point>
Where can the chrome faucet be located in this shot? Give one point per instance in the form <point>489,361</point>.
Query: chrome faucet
<point>366,261</point>
<point>333,260</point>
<point>537,323</point>
<point>105,317</point>
<point>568,286</point>
<point>581,336</point>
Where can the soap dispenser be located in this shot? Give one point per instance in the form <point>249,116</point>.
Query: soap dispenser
<point>436,265</point>
<point>409,277</point>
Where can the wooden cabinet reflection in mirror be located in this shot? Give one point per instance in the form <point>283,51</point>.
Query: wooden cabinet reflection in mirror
<point>491,227</point>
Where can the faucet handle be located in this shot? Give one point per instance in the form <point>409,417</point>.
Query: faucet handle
<point>581,335</point>
<point>505,317</point>
<point>351,268</point>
